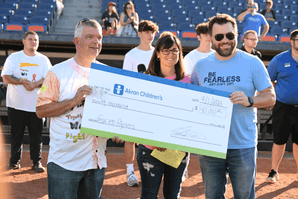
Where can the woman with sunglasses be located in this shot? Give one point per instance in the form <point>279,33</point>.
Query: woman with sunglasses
<point>166,62</point>
<point>110,18</point>
<point>129,21</point>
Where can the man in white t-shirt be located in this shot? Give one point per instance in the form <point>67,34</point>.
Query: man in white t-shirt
<point>202,51</point>
<point>138,60</point>
<point>24,72</point>
<point>76,161</point>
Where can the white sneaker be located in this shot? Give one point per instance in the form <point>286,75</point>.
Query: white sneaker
<point>132,180</point>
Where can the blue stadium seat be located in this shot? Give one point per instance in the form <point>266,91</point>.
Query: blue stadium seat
<point>174,6</point>
<point>161,11</point>
<point>179,13</point>
<point>240,28</point>
<point>46,7</point>
<point>197,19</point>
<point>293,18</point>
<point>185,27</point>
<point>234,4</point>
<point>276,31</point>
<point>48,2</point>
<point>286,12</point>
<point>281,18</point>
<point>27,6</point>
<point>44,13</point>
<point>159,6</point>
<point>37,28</point>
<point>9,5</point>
<point>4,19</point>
<point>165,25</point>
<point>181,19</point>
<point>223,9</point>
<point>273,23</point>
<point>27,13</point>
<point>237,11</point>
<point>289,2</point>
<point>31,1</point>
<point>189,2</point>
<point>286,24</point>
<point>210,14</point>
<point>13,27</point>
<point>175,32</point>
<point>292,29</point>
<point>294,7</point>
<point>191,7</point>
<point>19,19</point>
<point>6,12</point>
<point>192,13</point>
<point>40,20</point>
<point>205,7</point>
<point>279,2</point>
<point>12,1</point>
<point>279,7</point>
<point>146,17</point>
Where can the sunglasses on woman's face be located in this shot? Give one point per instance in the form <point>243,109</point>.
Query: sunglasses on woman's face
<point>128,8</point>
<point>219,37</point>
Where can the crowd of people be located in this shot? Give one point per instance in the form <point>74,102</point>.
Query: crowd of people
<point>76,161</point>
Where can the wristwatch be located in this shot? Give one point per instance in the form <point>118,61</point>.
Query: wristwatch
<point>251,101</point>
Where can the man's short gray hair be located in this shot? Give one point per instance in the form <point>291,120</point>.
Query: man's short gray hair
<point>85,22</point>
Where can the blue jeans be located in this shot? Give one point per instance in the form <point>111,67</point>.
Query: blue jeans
<point>240,164</point>
<point>152,170</point>
<point>66,184</point>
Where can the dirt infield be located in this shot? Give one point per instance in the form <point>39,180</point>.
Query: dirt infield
<point>26,184</point>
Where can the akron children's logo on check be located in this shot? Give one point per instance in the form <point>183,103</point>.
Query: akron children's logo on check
<point>120,90</point>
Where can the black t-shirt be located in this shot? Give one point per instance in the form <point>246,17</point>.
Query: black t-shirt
<point>109,18</point>
<point>271,11</point>
<point>253,52</point>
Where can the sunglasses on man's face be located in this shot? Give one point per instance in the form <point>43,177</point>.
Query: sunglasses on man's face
<point>219,37</point>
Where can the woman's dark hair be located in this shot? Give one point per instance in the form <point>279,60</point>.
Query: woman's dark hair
<point>166,41</point>
<point>132,7</point>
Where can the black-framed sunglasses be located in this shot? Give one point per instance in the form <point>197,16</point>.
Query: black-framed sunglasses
<point>129,8</point>
<point>84,20</point>
<point>229,35</point>
<point>174,51</point>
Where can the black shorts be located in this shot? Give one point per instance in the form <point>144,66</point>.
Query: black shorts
<point>107,24</point>
<point>285,122</point>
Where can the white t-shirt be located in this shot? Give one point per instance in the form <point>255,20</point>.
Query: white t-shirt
<point>32,68</point>
<point>69,148</point>
<point>192,58</point>
<point>135,57</point>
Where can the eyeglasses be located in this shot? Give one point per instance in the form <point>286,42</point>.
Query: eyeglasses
<point>167,51</point>
<point>129,8</point>
<point>219,37</point>
<point>294,39</point>
<point>252,39</point>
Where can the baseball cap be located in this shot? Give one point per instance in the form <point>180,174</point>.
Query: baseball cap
<point>111,3</point>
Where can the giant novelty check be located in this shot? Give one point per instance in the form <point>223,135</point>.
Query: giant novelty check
<point>156,111</point>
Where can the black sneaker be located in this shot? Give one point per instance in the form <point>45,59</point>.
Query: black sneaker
<point>38,167</point>
<point>273,177</point>
<point>14,166</point>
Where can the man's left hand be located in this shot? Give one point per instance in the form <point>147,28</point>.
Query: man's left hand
<point>238,97</point>
<point>29,86</point>
<point>261,38</point>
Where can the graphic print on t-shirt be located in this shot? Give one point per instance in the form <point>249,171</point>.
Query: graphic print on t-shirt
<point>25,71</point>
<point>213,80</point>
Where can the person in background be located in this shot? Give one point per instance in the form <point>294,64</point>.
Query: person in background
<point>200,52</point>
<point>253,20</point>
<point>24,72</point>
<point>240,74</point>
<point>283,71</point>
<point>268,13</point>
<point>60,7</point>
<point>76,161</point>
<point>166,62</point>
<point>129,21</point>
<point>250,42</point>
<point>137,60</point>
<point>110,18</point>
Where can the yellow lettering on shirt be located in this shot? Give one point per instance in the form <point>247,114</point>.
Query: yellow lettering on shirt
<point>27,65</point>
